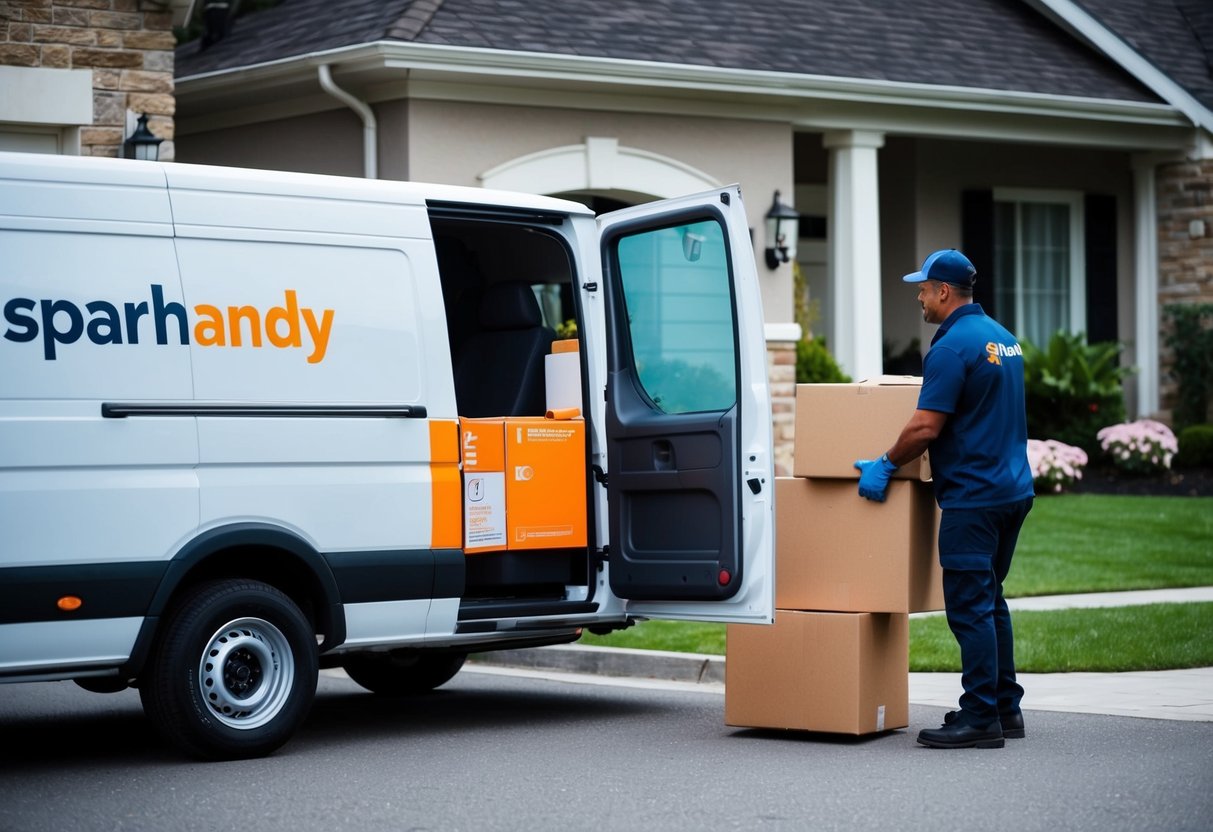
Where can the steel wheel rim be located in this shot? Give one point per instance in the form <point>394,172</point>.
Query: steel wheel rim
<point>246,673</point>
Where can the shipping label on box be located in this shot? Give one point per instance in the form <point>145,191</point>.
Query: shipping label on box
<point>837,424</point>
<point>845,673</point>
<point>484,512</point>
<point>834,550</point>
<point>545,483</point>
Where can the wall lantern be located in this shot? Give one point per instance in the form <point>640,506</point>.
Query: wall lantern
<point>783,224</point>
<point>143,143</point>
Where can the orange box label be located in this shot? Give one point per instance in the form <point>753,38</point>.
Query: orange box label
<point>482,445</point>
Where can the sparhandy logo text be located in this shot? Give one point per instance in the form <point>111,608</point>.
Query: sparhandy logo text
<point>61,322</point>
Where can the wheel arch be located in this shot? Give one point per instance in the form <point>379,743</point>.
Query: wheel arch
<point>263,552</point>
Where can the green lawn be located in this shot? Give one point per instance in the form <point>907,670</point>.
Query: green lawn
<point>1103,543</point>
<point>1071,543</point>
<point>1147,637</point>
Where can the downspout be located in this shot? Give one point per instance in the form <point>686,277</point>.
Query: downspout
<point>370,128</point>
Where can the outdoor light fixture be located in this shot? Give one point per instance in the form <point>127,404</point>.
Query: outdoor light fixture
<point>143,143</point>
<point>782,228</point>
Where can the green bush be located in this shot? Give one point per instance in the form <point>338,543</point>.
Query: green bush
<point>1191,338</point>
<point>1073,389</point>
<point>1195,447</point>
<point>815,365</point>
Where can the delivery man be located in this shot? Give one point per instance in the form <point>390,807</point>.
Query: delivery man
<point>971,416</point>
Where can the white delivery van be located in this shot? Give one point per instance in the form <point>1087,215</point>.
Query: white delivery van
<point>230,441</point>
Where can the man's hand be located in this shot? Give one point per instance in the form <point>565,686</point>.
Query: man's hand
<point>874,477</point>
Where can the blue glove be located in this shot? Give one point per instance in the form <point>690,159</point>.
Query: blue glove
<point>874,477</point>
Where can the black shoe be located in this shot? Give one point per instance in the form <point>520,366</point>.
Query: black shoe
<point>1012,724</point>
<point>962,735</point>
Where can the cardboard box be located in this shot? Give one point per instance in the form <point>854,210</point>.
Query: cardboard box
<point>845,673</point>
<point>834,550</point>
<point>545,483</point>
<point>482,443</point>
<point>837,424</point>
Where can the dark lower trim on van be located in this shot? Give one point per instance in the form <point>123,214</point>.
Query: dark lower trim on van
<point>397,575</point>
<point>121,410</point>
<point>106,590</point>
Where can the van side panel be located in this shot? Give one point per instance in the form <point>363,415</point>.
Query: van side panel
<point>90,311</point>
<point>50,645</point>
<point>332,317</point>
<point>294,320</point>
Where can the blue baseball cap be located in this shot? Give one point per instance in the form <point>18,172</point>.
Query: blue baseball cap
<point>947,266</point>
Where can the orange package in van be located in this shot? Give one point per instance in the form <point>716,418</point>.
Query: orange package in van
<point>545,483</point>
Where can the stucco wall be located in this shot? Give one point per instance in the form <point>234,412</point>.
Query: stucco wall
<point>456,142</point>
<point>328,142</point>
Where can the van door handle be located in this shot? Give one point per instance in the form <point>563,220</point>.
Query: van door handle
<point>663,455</point>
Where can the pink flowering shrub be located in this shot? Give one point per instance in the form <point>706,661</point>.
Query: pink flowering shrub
<point>1141,447</point>
<point>1055,465</point>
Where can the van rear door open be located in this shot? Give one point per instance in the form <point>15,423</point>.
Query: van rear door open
<point>690,469</point>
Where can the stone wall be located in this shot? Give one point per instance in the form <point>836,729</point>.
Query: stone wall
<point>781,374</point>
<point>1185,251</point>
<point>128,44</point>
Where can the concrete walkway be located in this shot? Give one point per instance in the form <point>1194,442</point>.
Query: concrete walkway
<point>1109,599</point>
<point>1166,694</point>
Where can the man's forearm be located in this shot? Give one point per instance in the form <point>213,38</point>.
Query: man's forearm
<point>922,429</point>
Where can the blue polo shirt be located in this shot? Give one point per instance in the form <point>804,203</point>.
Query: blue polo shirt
<point>974,373</point>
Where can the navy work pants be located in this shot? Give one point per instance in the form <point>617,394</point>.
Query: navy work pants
<point>975,550</point>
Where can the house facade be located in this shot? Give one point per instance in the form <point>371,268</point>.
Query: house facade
<point>1067,147</point>
<point>75,73</point>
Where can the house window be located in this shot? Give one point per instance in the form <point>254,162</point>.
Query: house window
<point>1039,269</point>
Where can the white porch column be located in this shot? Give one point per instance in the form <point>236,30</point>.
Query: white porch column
<point>854,243</point>
<point>1145,282</point>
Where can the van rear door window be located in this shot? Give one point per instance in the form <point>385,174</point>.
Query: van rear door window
<point>680,311</point>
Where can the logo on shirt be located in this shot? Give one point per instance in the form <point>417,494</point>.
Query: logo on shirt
<point>995,352</point>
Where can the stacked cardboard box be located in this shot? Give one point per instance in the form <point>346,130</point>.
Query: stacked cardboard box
<point>848,572</point>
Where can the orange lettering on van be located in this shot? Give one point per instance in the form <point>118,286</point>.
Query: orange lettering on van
<point>320,333</point>
<point>235,314</point>
<point>289,315</point>
<point>209,331</point>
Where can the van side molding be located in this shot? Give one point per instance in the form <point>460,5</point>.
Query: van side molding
<point>121,410</point>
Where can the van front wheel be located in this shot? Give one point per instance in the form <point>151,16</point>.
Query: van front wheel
<point>233,673</point>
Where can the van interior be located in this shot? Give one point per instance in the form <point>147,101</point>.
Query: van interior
<point>507,286</point>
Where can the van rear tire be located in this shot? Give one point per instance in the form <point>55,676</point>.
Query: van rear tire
<point>233,673</point>
<point>403,672</point>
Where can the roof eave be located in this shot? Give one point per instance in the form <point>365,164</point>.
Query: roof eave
<point>670,79</point>
<point>1129,59</point>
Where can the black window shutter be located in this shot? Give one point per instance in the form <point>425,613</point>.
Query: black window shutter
<point>1100,247</point>
<point>977,242</point>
